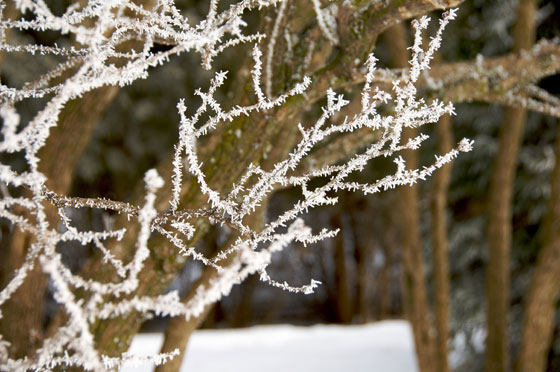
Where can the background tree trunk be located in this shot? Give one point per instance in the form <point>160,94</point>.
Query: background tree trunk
<point>363,242</point>
<point>499,210</point>
<point>415,292</point>
<point>439,245</point>
<point>343,297</point>
<point>541,299</point>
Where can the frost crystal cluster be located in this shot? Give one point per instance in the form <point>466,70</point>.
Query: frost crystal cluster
<point>102,29</point>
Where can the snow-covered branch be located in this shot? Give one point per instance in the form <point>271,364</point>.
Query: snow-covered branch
<point>100,28</point>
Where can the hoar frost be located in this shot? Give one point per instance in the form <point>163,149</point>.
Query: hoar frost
<point>115,21</point>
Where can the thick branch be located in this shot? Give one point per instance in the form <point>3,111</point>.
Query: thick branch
<point>358,31</point>
<point>503,80</point>
<point>491,80</point>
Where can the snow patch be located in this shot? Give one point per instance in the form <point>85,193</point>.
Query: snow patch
<point>383,346</point>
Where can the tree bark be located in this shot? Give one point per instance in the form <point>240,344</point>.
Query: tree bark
<point>384,287</point>
<point>415,292</point>
<point>362,253</point>
<point>439,245</point>
<point>540,302</point>
<point>343,298</point>
<point>179,330</point>
<point>499,211</point>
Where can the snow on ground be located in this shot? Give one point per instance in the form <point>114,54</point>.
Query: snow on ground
<point>377,347</point>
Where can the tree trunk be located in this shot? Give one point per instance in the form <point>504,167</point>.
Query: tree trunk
<point>439,248</point>
<point>22,323</point>
<point>499,211</point>
<point>389,281</point>
<point>362,244</point>
<point>343,298</point>
<point>540,302</point>
<point>179,330</point>
<point>415,293</point>
<point>242,313</point>
<point>384,287</point>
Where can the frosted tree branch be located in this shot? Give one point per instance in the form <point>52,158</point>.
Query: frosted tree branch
<point>116,22</point>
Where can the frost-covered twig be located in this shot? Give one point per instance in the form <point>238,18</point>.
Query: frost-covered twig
<point>115,22</point>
